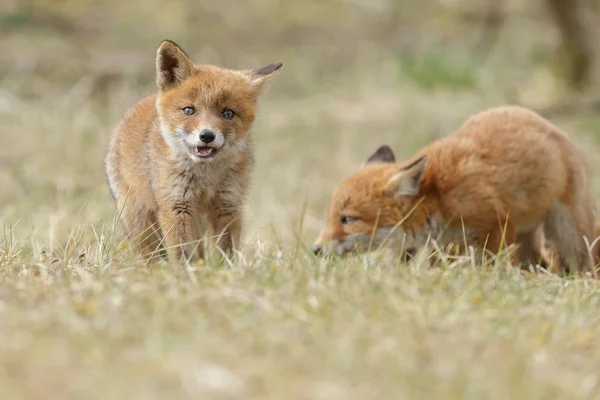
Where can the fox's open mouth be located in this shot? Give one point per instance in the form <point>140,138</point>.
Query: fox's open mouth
<point>204,151</point>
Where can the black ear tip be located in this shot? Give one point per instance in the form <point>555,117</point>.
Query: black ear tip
<point>266,70</point>
<point>385,149</point>
<point>383,154</point>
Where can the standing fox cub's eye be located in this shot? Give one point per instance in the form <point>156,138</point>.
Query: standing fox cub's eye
<point>347,220</point>
<point>189,110</point>
<point>227,113</point>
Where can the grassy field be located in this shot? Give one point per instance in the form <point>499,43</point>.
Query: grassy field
<point>79,320</point>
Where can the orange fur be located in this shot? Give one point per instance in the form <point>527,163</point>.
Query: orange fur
<point>504,174</point>
<point>179,162</point>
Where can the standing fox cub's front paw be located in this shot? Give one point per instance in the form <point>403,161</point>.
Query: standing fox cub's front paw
<point>180,160</point>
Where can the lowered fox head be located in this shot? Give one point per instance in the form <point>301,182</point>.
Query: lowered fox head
<point>205,111</point>
<point>377,205</point>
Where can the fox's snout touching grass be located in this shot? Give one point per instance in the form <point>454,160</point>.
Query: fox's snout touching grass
<point>179,161</point>
<point>503,177</point>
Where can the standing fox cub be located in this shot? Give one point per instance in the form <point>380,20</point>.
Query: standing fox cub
<point>179,161</point>
<point>503,175</point>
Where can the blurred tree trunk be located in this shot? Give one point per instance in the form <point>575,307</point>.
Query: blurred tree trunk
<point>571,17</point>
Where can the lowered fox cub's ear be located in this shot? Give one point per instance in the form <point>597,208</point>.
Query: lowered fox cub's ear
<point>260,75</point>
<point>173,66</point>
<point>383,154</point>
<point>407,181</point>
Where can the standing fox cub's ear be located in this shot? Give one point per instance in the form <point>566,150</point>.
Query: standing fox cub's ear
<point>407,181</point>
<point>383,154</point>
<point>259,76</point>
<point>173,66</point>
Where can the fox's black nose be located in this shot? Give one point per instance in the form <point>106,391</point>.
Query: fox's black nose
<point>207,136</point>
<point>317,250</point>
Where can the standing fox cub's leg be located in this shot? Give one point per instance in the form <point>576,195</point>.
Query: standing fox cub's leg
<point>142,228</point>
<point>226,219</point>
<point>228,229</point>
<point>180,230</point>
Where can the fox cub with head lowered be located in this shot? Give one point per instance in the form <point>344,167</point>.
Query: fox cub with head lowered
<point>179,161</point>
<point>504,174</point>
